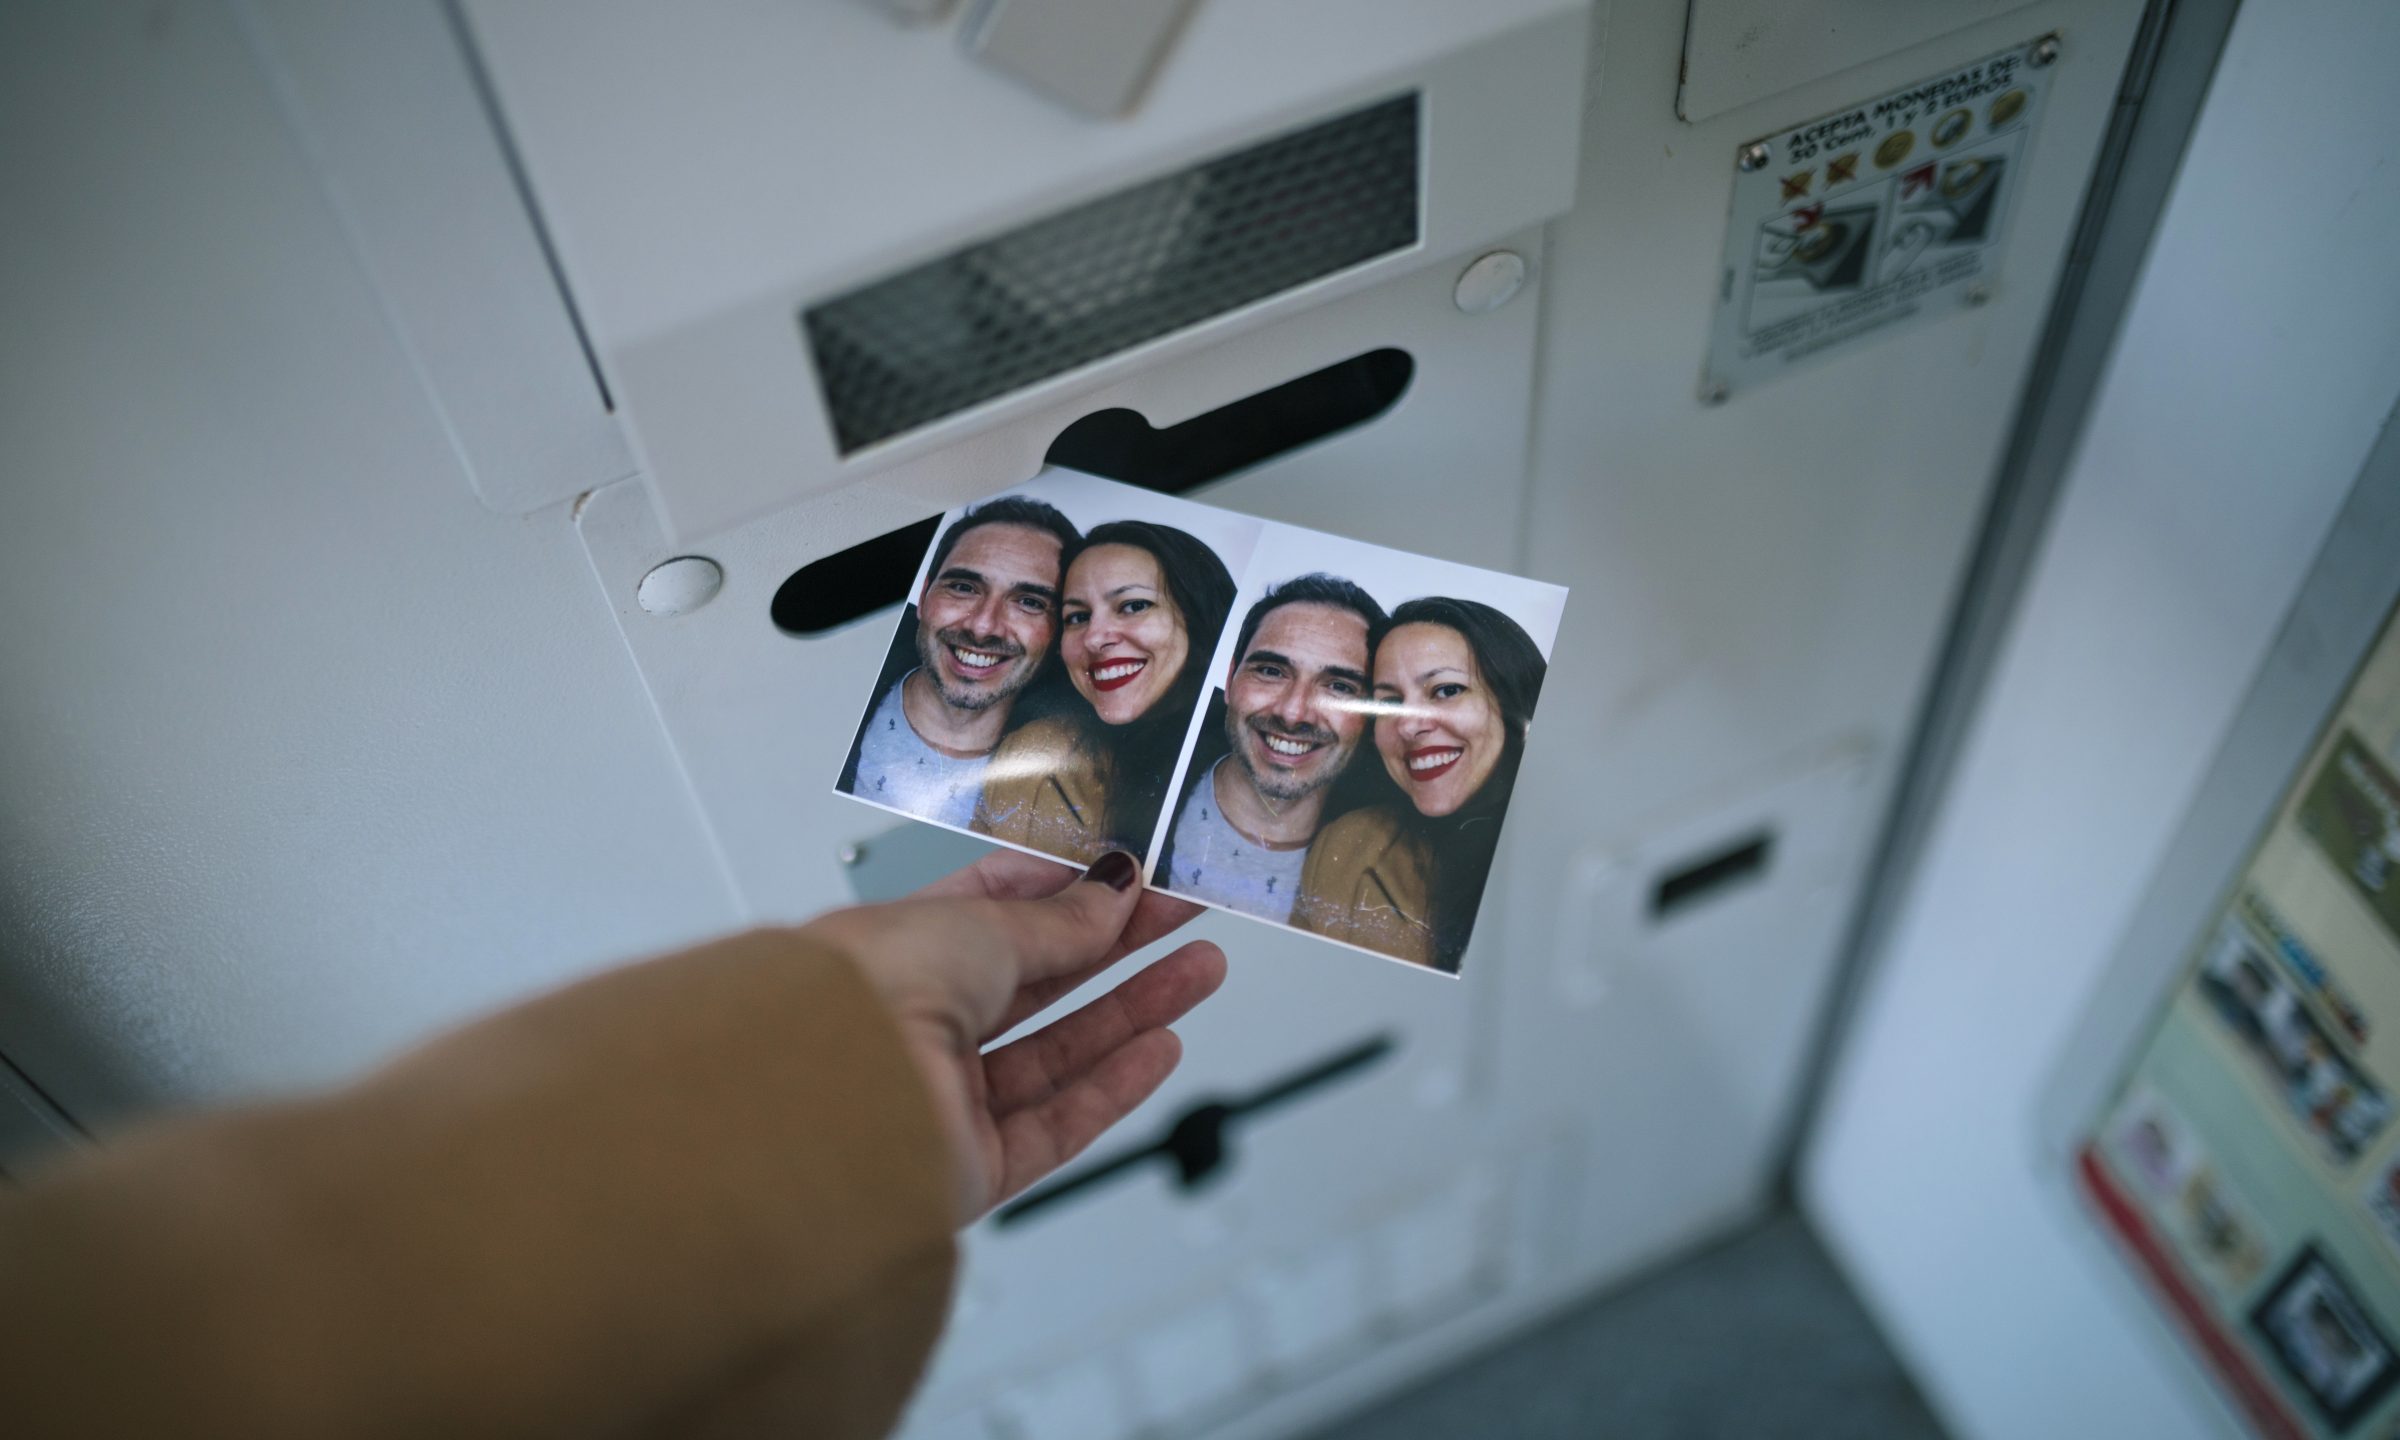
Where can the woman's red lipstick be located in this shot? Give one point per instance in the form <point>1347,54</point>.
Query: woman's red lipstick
<point>1432,762</point>
<point>1117,673</point>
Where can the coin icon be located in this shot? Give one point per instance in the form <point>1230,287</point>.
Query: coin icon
<point>2008,107</point>
<point>1817,241</point>
<point>1895,148</point>
<point>1952,128</point>
<point>1962,175</point>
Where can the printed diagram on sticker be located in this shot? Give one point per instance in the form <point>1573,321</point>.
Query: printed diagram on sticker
<point>1877,215</point>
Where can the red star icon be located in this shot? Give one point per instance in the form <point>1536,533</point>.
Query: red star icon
<point>1920,178</point>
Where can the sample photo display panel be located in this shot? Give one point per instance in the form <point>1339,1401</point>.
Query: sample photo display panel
<point>1315,732</point>
<point>2249,1163</point>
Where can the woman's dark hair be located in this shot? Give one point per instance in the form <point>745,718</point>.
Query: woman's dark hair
<point>1140,755</point>
<point>1460,845</point>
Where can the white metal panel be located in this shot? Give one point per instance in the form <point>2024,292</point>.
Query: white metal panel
<point>690,176</point>
<point>2261,355</point>
<point>305,752</point>
<point>1755,584</point>
<point>383,95</point>
<point>1093,56</point>
<point>1738,51</point>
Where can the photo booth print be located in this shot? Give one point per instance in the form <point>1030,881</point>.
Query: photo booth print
<point>1063,680</point>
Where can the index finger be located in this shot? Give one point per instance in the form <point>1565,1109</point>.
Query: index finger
<point>1001,875</point>
<point>1154,916</point>
<point>1015,875</point>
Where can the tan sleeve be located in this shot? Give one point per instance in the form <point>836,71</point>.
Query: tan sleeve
<point>705,1195</point>
<point>1328,882</point>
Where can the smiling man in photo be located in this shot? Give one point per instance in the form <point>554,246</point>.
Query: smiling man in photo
<point>1296,704</point>
<point>985,621</point>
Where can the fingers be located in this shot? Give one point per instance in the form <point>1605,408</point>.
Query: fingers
<point>1015,875</point>
<point>1001,875</point>
<point>1032,1070</point>
<point>1155,916</point>
<point>1073,930</point>
<point>1038,1139</point>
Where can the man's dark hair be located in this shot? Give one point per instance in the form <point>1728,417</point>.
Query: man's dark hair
<point>1315,589</point>
<point>1007,510</point>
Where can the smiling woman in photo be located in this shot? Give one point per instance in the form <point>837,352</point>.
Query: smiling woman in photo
<point>1455,685</point>
<point>1140,609</point>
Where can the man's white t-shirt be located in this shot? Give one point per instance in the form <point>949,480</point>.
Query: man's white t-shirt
<point>1217,863</point>
<point>897,768</point>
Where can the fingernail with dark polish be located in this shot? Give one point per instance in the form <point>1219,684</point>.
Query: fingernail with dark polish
<point>1117,870</point>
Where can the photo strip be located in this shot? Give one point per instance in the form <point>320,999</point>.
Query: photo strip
<point>1311,731</point>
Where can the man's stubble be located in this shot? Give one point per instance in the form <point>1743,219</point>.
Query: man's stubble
<point>972,702</point>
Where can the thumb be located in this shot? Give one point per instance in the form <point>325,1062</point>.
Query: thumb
<point>1073,929</point>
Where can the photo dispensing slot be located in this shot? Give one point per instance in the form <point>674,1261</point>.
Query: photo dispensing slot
<point>1119,445</point>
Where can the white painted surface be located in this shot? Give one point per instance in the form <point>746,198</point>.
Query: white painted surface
<point>403,147</point>
<point>706,176</point>
<point>1092,56</point>
<point>1739,51</point>
<point>2260,358</point>
<point>304,752</point>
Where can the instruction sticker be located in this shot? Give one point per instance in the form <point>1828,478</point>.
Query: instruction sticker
<point>1872,217</point>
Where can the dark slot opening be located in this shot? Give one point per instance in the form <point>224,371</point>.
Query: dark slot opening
<point>1121,445</point>
<point>1199,1146</point>
<point>838,589</point>
<point>1681,888</point>
<point>1117,445</point>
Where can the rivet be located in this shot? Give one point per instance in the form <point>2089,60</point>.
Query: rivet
<point>1754,156</point>
<point>1491,282</point>
<point>680,586</point>
<point>851,854</point>
<point>1715,392</point>
<point>2045,52</point>
<point>1978,294</point>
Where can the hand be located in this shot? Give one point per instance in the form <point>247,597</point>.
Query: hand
<point>971,955</point>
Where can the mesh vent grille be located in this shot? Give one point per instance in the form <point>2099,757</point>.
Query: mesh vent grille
<point>1113,272</point>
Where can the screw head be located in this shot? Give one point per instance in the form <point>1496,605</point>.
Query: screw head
<point>2045,51</point>
<point>1753,156</point>
<point>1715,392</point>
<point>680,586</point>
<point>851,854</point>
<point>1491,282</point>
<point>1978,293</point>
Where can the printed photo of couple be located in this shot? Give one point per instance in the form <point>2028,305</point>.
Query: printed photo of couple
<point>1336,725</point>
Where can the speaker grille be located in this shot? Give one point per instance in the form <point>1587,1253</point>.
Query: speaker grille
<point>1073,287</point>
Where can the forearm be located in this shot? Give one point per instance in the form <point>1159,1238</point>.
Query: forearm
<point>665,1200</point>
